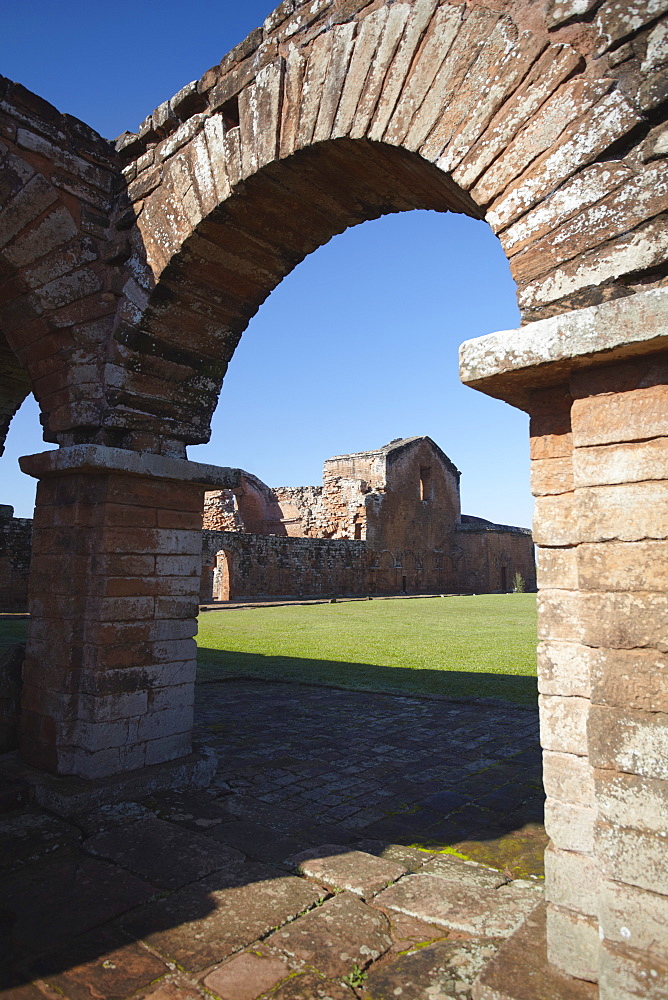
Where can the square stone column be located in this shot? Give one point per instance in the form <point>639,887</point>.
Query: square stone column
<point>595,383</point>
<point>114,588</point>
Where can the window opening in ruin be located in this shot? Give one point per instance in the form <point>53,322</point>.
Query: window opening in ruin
<point>504,579</point>
<point>425,483</point>
<point>403,584</point>
<point>230,113</point>
<point>358,531</point>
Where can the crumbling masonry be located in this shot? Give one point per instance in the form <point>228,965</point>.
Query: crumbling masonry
<point>383,522</point>
<point>130,272</point>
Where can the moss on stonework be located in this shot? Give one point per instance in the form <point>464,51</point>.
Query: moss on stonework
<point>520,852</point>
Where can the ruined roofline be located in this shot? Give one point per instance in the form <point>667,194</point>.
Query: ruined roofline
<point>396,445</point>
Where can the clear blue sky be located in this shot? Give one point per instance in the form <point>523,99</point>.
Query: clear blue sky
<point>359,344</point>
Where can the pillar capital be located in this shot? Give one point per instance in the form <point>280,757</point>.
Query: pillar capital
<point>510,364</point>
<point>97,459</point>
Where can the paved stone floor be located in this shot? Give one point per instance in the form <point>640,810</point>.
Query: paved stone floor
<point>314,867</point>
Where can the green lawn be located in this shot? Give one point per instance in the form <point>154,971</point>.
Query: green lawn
<point>454,646</point>
<point>482,646</point>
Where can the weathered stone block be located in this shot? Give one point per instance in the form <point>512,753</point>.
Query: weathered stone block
<point>630,741</point>
<point>355,871</point>
<point>634,462</point>
<point>559,615</point>
<point>627,512</point>
<point>572,942</point>
<point>247,975</point>
<point>630,679</point>
<point>569,826</point>
<point>489,912</point>
<point>620,416</point>
<point>628,975</point>
<point>332,937</point>
<point>632,800</point>
<point>556,569</point>
<point>568,779</point>
<point>634,857</point>
<point>564,670</point>
<point>551,476</point>
<point>633,917</point>
<point>621,621</point>
<point>623,566</point>
<point>571,881</point>
<point>556,520</point>
<point>563,723</point>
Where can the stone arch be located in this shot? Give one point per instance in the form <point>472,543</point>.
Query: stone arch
<point>414,104</point>
<point>57,265</point>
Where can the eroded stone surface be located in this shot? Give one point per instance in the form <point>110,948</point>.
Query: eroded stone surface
<point>443,971</point>
<point>339,868</point>
<point>246,976</point>
<point>312,987</point>
<point>334,937</point>
<point>205,923</point>
<point>463,872</point>
<point>31,835</point>
<point>162,853</point>
<point>520,970</point>
<point>100,964</point>
<point>50,903</point>
<point>486,912</point>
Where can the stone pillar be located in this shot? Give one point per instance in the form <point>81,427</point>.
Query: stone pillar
<point>595,384</point>
<point>114,587</point>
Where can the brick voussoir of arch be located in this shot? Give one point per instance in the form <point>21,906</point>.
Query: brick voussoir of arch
<point>486,111</point>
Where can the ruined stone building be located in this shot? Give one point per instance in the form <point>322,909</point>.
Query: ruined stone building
<point>384,521</point>
<point>130,270</point>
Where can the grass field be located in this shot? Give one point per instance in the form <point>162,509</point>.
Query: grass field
<point>483,646</point>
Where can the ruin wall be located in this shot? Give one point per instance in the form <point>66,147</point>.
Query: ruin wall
<point>15,547</point>
<point>281,566</point>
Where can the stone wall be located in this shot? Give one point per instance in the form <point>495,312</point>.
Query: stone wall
<point>269,565</point>
<point>15,545</point>
<point>481,560</point>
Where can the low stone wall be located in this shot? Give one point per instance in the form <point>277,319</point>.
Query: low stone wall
<point>480,559</point>
<point>272,566</point>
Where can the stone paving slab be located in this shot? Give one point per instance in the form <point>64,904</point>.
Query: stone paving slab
<point>202,924</point>
<point>445,970</point>
<point>162,853</point>
<point>108,817</point>
<point>520,970</point>
<point>32,835</point>
<point>313,987</point>
<point>178,990</point>
<point>247,976</point>
<point>199,811</point>
<point>337,867</point>
<point>410,857</point>
<point>50,903</point>
<point>257,841</point>
<point>100,964</point>
<point>464,872</point>
<point>336,936</point>
<point>409,932</point>
<point>483,912</point>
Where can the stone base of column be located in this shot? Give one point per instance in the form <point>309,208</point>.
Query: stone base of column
<point>68,795</point>
<point>520,969</point>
